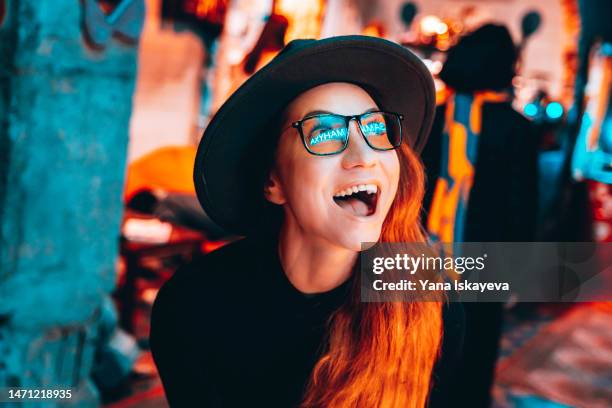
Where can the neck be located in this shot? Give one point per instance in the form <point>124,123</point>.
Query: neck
<point>313,265</point>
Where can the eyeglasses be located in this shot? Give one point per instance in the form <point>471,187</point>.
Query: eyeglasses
<point>328,134</point>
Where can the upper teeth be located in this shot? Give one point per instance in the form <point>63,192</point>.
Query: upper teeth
<point>370,188</point>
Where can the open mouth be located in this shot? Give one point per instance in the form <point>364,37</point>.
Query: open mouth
<point>359,200</point>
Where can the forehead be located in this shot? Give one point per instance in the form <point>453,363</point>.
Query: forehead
<point>337,97</point>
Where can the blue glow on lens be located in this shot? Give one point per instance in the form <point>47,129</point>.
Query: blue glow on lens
<point>375,128</point>
<point>531,110</point>
<point>554,110</point>
<point>329,135</point>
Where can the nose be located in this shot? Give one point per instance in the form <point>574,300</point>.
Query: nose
<point>358,153</point>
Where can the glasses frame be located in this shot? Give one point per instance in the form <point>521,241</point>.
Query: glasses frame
<point>347,119</point>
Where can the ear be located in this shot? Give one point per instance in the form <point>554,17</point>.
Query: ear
<point>273,191</point>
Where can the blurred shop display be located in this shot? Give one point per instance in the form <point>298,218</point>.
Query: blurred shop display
<point>592,157</point>
<point>600,198</point>
<point>343,17</point>
<point>103,20</point>
<point>255,31</point>
<point>207,19</point>
<point>168,168</point>
<point>569,54</point>
<point>481,169</point>
<point>433,33</point>
<point>587,147</point>
<point>593,51</point>
<point>245,21</point>
<point>430,36</point>
<point>592,154</point>
<point>204,17</point>
<point>164,227</point>
<point>160,185</point>
<point>547,115</point>
<point>304,17</point>
<point>270,42</point>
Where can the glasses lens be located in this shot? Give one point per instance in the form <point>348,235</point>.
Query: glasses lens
<point>325,134</point>
<point>382,130</point>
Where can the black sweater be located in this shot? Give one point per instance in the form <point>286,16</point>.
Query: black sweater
<point>230,330</point>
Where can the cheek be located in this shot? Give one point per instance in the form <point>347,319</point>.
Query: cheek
<point>391,166</point>
<point>303,176</point>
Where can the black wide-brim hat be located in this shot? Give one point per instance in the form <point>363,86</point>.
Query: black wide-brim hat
<point>235,149</point>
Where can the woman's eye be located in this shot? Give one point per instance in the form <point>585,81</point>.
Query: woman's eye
<point>321,129</point>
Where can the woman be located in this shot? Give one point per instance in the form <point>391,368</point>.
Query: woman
<point>312,156</point>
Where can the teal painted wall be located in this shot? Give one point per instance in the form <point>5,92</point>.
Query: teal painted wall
<point>64,119</point>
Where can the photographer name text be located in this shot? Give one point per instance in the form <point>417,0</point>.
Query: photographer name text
<point>427,285</point>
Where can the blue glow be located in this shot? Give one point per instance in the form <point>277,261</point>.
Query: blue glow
<point>374,128</point>
<point>554,110</point>
<point>329,135</point>
<point>531,109</point>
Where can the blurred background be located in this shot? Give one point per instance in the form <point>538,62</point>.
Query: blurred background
<point>102,104</point>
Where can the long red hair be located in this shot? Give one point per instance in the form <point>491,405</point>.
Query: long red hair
<point>382,354</point>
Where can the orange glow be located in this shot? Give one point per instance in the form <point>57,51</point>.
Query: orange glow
<point>479,99</point>
<point>374,29</point>
<point>169,168</point>
<point>209,246</point>
<point>382,354</point>
<point>431,25</point>
<point>571,32</point>
<point>442,28</point>
<point>211,10</point>
<point>305,17</point>
<point>442,92</point>
<point>445,202</point>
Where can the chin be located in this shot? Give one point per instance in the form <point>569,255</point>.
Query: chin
<point>354,239</point>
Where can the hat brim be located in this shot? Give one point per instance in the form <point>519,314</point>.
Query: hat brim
<point>227,165</point>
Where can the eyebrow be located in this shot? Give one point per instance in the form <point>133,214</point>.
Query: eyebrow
<point>325,112</point>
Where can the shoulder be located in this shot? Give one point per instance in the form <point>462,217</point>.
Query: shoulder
<point>203,291</point>
<point>198,284</point>
<point>210,267</point>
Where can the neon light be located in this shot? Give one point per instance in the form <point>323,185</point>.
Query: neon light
<point>377,128</point>
<point>327,135</point>
<point>531,110</point>
<point>554,110</point>
<point>370,129</point>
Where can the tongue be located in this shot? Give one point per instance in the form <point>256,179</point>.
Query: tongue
<point>354,206</point>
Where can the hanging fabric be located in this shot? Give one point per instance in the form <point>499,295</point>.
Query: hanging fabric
<point>460,139</point>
